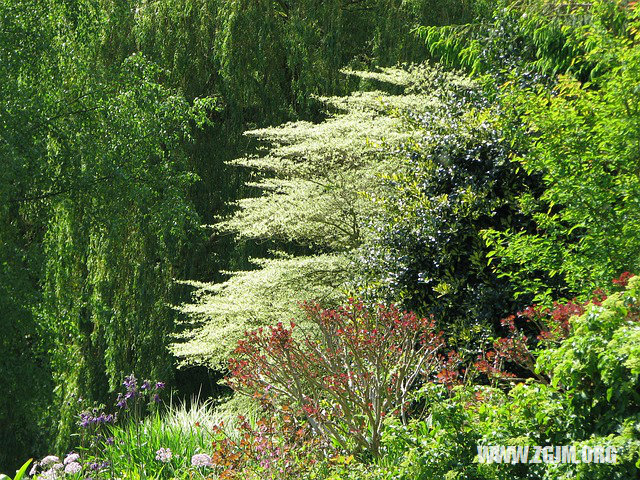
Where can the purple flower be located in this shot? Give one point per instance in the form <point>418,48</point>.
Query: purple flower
<point>72,468</point>
<point>146,385</point>
<point>48,475</point>
<point>130,383</point>
<point>57,466</point>
<point>201,460</point>
<point>160,385</point>
<point>34,469</point>
<point>156,398</point>
<point>48,460</point>
<point>121,401</point>
<point>164,455</point>
<point>98,466</point>
<point>109,441</point>
<point>85,420</point>
<point>70,458</point>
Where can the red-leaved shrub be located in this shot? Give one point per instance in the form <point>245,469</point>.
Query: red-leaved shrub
<point>357,366</point>
<point>547,327</point>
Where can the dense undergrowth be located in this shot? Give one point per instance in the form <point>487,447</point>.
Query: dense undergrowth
<point>436,273</point>
<point>583,369</point>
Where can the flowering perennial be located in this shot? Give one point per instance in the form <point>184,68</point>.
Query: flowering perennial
<point>201,460</point>
<point>164,455</point>
<point>72,468</point>
<point>70,458</point>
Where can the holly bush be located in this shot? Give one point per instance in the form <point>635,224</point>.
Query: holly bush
<point>425,249</point>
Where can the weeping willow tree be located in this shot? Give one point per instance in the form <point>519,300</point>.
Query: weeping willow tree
<point>269,56</point>
<point>112,240</point>
<point>265,61</point>
<point>315,188</point>
<point>95,185</point>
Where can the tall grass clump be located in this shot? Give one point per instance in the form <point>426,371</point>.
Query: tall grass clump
<point>171,443</point>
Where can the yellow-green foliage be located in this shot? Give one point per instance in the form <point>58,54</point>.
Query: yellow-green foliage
<point>314,176</point>
<point>582,142</point>
<point>318,186</point>
<point>222,312</point>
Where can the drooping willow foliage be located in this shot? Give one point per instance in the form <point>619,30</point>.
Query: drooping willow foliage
<point>94,210</point>
<point>110,247</point>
